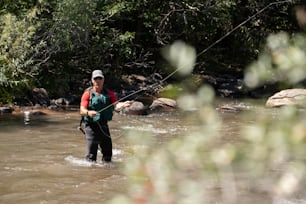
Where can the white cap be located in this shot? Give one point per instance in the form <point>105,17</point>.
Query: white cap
<point>97,73</point>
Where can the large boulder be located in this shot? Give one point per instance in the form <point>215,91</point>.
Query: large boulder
<point>296,97</point>
<point>131,107</point>
<point>138,108</point>
<point>163,104</point>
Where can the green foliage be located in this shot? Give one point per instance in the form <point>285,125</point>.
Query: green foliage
<point>18,53</point>
<point>63,37</point>
<point>61,42</point>
<point>283,60</point>
<point>6,96</point>
<point>202,167</point>
<point>17,7</point>
<point>72,21</point>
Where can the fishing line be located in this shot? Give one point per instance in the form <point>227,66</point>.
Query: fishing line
<point>241,24</point>
<point>103,132</point>
<point>201,53</point>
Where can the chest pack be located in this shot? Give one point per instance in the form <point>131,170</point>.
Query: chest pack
<point>100,103</point>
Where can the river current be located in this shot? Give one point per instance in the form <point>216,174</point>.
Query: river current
<point>42,160</point>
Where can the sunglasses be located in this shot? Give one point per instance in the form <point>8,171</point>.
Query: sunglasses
<point>98,78</point>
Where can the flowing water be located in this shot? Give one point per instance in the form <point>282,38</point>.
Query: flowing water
<point>42,158</point>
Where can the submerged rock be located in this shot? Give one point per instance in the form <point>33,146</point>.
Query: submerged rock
<point>6,110</point>
<point>233,107</point>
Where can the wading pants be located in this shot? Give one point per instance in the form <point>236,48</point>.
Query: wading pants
<point>97,134</point>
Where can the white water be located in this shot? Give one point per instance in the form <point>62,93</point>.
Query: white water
<point>76,161</point>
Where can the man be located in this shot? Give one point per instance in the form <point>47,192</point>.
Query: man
<point>97,109</point>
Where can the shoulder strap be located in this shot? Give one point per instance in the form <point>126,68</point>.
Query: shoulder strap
<point>89,89</point>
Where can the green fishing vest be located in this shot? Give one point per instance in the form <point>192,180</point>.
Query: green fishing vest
<point>99,102</point>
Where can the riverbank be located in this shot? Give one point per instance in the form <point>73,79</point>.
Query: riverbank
<point>145,90</point>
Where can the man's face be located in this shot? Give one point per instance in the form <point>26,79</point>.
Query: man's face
<point>98,82</point>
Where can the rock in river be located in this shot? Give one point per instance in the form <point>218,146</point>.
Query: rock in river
<point>296,97</point>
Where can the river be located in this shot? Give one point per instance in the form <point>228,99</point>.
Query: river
<point>42,159</point>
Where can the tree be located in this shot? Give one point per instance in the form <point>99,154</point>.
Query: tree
<point>67,39</point>
<point>18,56</point>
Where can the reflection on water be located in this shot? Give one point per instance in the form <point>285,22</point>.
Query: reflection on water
<point>42,156</point>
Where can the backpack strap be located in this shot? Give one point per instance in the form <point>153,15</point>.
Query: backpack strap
<point>90,97</point>
<point>89,89</point>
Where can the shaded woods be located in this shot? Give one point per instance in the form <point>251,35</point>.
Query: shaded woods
<point>56,44</point>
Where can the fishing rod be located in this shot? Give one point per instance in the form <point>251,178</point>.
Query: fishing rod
<point>201,53</point>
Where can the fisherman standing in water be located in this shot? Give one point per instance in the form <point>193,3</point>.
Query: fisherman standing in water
<point>97,105</point>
